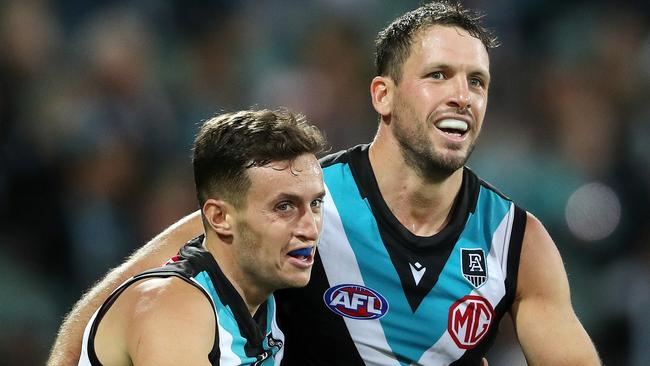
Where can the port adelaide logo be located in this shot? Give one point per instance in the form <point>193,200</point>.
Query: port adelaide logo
<point>473,266</point>
<point>356,302</point>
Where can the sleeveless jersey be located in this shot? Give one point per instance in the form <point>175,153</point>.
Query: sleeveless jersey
<point>239,338</point>
<point>379,295</point>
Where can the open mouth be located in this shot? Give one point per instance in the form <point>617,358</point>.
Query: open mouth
<point>303,254</point>
<point>453,127</point>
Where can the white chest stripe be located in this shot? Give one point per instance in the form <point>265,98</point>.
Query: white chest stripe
<point>228,357</point>
<point>341,267</point>
<point>493,290</point>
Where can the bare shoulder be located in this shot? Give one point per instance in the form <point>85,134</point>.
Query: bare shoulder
<point>67,346</point>
<point>541,270</point>
<point>162,317</point>
<point>536,233</point>
<point>164,304</point>
<point>168,296</point>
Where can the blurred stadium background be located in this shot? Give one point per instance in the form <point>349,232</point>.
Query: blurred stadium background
<point>99,101</point>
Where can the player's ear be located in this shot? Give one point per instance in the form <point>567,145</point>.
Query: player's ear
<point>381,91</point>
<point>218,214</point>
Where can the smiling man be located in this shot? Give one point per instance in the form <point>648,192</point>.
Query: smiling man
<point>260,189</point>
<point>419,259</point>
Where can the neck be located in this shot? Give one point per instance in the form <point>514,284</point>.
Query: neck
<point>251,292</point>
<point>422,205</point>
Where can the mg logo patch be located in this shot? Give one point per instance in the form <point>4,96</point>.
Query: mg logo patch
<point>356,302</point>
<point>469,321</point>
<point>473,266</point>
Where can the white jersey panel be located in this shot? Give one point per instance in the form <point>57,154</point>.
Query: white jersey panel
<point>341,266</point>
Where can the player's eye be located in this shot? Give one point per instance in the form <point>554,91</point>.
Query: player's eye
<point>476,82</point>
<point>284,206</point>
<point>437,75</point>
<point>317,203</point>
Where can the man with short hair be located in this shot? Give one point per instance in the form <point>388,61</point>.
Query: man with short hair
<point>260,190</point>
<point>419,259</point>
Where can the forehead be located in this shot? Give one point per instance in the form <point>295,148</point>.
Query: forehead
<point>439,44</point>
<point>300,177</point>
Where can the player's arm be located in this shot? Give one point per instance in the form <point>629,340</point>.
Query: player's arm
<point>160,321</point>
<point>547,327</point>
<point>67,346</point>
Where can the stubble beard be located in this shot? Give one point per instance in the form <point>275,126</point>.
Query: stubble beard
<point>249,261</point>
<point>252,263</point>
<point>418,151</point>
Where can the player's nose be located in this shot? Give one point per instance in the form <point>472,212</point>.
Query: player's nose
<point>308,226</point>
<point>460,97</point>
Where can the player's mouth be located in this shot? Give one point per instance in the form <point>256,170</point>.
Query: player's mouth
<point>452,128</point>
<point>302,257</point>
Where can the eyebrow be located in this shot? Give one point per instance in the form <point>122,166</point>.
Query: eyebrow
<point>295,197</point>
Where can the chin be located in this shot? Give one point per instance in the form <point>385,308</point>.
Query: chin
<point>453,160</point>
<point>298,281</point>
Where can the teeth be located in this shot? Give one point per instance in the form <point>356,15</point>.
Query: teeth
<point>454,124</point>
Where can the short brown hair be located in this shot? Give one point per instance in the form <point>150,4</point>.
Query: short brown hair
<point>228,144</point>
<point>393,44</point>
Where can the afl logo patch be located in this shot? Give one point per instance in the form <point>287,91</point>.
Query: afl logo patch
<point>469,321</point>
<point>356,302</point>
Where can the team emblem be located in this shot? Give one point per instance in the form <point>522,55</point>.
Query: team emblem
<point>473,266</point>
<point>274,342</point>
<point>356,302</point>
<point>274,346</point>
<point>469,321</point>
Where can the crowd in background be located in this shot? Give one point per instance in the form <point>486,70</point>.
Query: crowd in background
<point>100,100</point>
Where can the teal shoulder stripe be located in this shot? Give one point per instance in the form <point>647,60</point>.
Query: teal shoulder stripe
<point>204,280</point>
<point>225,316</point>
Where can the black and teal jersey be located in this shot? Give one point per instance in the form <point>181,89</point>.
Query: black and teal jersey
<point>240,339</point>
<point>380,295</point>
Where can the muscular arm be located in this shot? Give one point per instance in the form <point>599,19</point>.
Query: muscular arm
<point>67,346</point>
<point>547,327</point>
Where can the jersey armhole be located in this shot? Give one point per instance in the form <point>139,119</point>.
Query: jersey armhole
<point>214,354</point>
<point>514,252</point>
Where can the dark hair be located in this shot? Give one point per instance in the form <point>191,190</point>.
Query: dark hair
<point>230,143</point>
<point>393,44</point>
